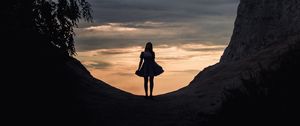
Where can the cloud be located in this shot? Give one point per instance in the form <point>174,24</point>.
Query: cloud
<point>97,64</point>
<point>125,23</point>
<point>112,52</point>
<point>202,47</point>
<point>174,58</point>
<point>206,49</point>
<point>158,10</point>
<point>111,27</point>
<point>130,73</point>
<point>185,71</point>
<point>119,35</point>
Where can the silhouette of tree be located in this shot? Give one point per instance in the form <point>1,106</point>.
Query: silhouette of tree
<point>56,20</point>
<point>52,20</point>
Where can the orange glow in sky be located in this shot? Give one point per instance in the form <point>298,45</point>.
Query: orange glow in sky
<point>181,63</point>
<point>187,36</point>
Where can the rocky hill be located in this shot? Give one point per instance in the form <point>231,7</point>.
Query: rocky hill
<point>260,24</point>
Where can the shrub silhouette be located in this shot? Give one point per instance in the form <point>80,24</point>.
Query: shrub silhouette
<point>46,21</point>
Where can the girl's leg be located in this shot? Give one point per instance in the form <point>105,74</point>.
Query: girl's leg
<point>146,85</point>
<point>151,85</point>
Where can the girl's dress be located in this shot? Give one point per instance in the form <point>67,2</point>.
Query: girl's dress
<point>149,67</point>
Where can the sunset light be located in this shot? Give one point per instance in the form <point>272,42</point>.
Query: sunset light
<point>117,66</point>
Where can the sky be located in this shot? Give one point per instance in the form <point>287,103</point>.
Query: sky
<point>187,35</point>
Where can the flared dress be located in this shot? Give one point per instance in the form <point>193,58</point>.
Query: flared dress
<point>149,66</point>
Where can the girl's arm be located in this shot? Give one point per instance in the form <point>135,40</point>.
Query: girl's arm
<point>140,64</point>
<point>141,61</point>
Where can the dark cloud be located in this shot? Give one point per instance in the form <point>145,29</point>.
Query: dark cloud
<point>174,58</point>
<point>204,49</point>
<point>99,65</point>
<point>92,43</point>
<point>150,25</point>
<point>113,52</point>
<point>164,22</point>
<point>131,73</point>
<point>185,71</point>
<point>159,10</point>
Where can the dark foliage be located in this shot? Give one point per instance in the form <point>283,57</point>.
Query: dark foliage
<point>51,20</point>
<point>38,42</point>
<point>55,21</point>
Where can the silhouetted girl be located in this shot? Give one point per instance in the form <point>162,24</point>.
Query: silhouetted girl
<point>149,69</point>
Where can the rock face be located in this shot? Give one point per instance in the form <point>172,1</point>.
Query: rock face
<point>260,24</point>
<point>257,66</point>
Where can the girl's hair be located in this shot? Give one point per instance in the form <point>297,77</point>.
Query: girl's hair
<point>149,47</point>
